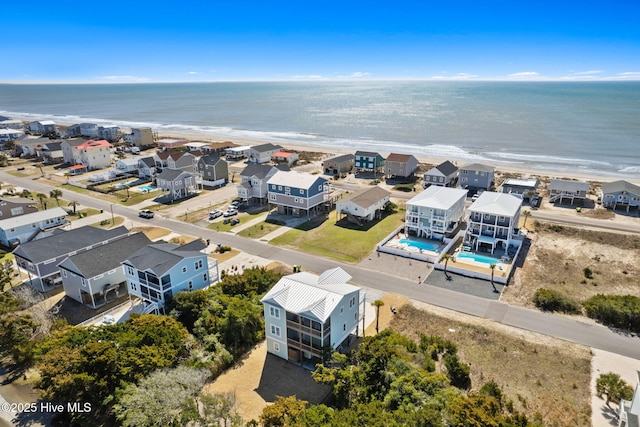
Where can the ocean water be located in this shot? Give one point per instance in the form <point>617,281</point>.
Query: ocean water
<point>591,126</point>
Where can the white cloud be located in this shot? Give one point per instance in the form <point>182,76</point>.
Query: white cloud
<point>310,77</point>
<point>459,76</point>
<point>192,73</point>
<point>359,74</point>
<point>629,75</point>
<point>587,73</point>
<point>126,79</point>
<point>524,75</point>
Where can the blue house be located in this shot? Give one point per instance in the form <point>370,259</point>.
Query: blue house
<point>298,193</point>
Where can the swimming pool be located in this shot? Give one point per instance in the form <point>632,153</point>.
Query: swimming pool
<point>146,187</point>
<point>478,258</point>
<point>427,246</point>
<point>123,185</point>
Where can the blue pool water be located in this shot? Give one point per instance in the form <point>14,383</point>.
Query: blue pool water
<point>126,184</point>
<point>421,245</point>
<point>146,187</point>
<point>479,258</point>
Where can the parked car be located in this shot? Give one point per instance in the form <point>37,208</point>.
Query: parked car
<point>146,214</point>
<point>215,214</point>
<point>235,221</point>
<point>108,320</point>
<point>235,204</point>
<point>230,212</point>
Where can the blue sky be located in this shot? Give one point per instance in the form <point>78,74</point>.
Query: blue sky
<point>118,41</point>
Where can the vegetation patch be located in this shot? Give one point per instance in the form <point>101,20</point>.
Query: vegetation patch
<point>619,311</point>
<point>552,300</point>
<point>257,231</point>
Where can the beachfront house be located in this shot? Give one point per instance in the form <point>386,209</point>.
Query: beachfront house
<point>170,143</point>
<point>476,176</point>
<point>237,153</point>
<point>177,183</point>
<point>90,130</point>
<point>285,157</point>
<point>368,161</point>
<point>561,189</point>
<point>254,182</point>
<point>178,160</point>
<point>629,410</point>
<point>620,194</point>
<point>89,277</point>
<point>147,167</point>
<point>305,314</point>
<point>443,175</point>
<point>39,259</point>
<point>436,212</point>
<point>217,148</point>
<point>298,193</point>
<point>262,153</point>
<point>364,206</point>
<point>92,154</point>
<point>140,137</point>
<point>339,164</point>
<point>526,189</point>
<point>110,132</point>
<point>400,166</point>
<point>12,124</point>
<point>158,271</point>
<point>24,228</point>
<point>195,146</point>
<point>43,126</point>
<point>7,135</point>
<point>214,170</point>
<point>493,222</point>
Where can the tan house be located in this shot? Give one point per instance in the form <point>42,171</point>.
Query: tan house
<point>364,206</point>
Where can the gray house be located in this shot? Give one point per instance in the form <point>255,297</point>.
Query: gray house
<point>476,176</point>
<point>88,277</point>
<point>443,175</point>
<point>175,159</point>
<point>560,189</point>
<point>179,184</point>
<point>620,194</point>
<point>147,167</point>
<point>400,165</point>
<point>339,164</point>
<point>16,206</point>
<point>213,170</point>
<point>254,181</point>
<point>39,259</point>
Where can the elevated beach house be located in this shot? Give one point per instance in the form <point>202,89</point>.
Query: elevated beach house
<point>443,175</point>
<point>127,165</point>
<point>262,153</point>
<point>493,222</point>
<point>213,169</point>
<point>51,152</point>
<point>561,189</point>
<point>368,161</point>
<point>170,143</point>
<point>39,259</point>
<point>158,271</point>
<point>339,164</point>
<point>365,205</point>
<point>629,412</point>
<point>476,176</point>
<point>92,154</point>
<point>436,212</point>
<point>10,134</point>
<point>140,137</point>
<point>298,193</point>
<point>253,185</point>
<point>305,313</point>
<point>620,194</point>
<point>285,157</point>
<point>177,160</point>
<point>400,166</point>
<point>43,126</point>
<point>90,277</point>
<point>523,188</point>
<point>147,167</point>
<point>177,183</point>
<point>19,229</point>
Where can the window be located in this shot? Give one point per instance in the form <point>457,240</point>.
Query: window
<point>184,269</point>
<point>301,191</point>
<point>84,282</point>
<point>320,187</point>
<point>130,271</point>
<point>352,302</point>
<point>275,330</point>
<point>355,316</point>
<point>341,310</point>
<point>274,312</point>
<point>64,273</point>
<point>204,277</point>
<point>272,196</point>
<point>198,264</point>
<point>190,285</point>
<point>276,346</point>
<point>344,327</point>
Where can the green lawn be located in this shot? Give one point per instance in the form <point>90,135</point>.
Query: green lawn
<point>258,230</point>
<point>343,242</point>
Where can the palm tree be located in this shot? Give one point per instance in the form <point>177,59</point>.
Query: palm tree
<point>446,257</point>
<point>56,194</point>
<point>525,214</point>
<point>41,167</point>
<point>613,387</point>
<point>74,203</point>
<point>42,198</point>
<point>25,193</point>
<point>377,304</point>
<point>493,268</point>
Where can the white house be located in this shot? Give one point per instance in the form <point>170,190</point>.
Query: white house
<point>262,153</point>
<point>43,126</point>
<point>23,228</point>
<point>10,134</point>
<point>493,222</point>
<point>364,205</point>
<point>629,415</point>
<point>435,212</point>
<point>304,313</point>
<point>12,124</point>
<point>128,164</point>
<point>92,154</point>
<point>237,152</point>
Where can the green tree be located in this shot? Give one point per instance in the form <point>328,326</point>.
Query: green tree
<point>457,371</point>
<point>4,160</point>
<point>377,304</point>
<point>613,388</point>
<point>284,412</point>
<point>40,166</point>
<point>75,204</point>
<point>446,258</point>
<point>526,215</point>
<point>56,194</point>
<point>492,266</point>
<point>219,409</point>
<point>25,193</point>
<point>42,197</point>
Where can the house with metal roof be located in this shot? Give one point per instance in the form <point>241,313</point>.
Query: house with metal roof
<point>561,189</point>
<point>214,170</point>
<point>10,134</point>
<point>368,161</point>
<point>365,205</point>
<point>493,222</point>
<point>304,313</point>
<point>476,176</point>
<point>158,271</point>
<point>39,259</point>
<point>298,193</point>
<point>19,229</point>
<point>436,212</point>
<point>177,183</point>
<point>43,126</point>
<point>400,166</point>
<point>90,277</point>
<point>620,194</point>
<point>262,153</point>
<point>339,164</point>
<point>443,175</point>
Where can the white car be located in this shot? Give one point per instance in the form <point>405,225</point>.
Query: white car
<point>108,320</point>
<point>230,212</point>
<point>215,214</point>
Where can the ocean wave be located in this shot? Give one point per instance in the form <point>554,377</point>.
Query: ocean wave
<point>551,160</point>
<point>629,169</point>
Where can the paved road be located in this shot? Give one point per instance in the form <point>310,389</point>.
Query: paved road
<point>552,325</point>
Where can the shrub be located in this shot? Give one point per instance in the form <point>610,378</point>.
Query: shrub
<point>620,311</point>
<point>588,273</point>
<point>223,249</point>
<point>457,371</point>
<point>551,300</point>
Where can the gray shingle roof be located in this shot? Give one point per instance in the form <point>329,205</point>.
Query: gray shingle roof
<point>256,169</point>
<point>341,158</point>
<point>160,257</point>
<point>171,174</point>
<point>619,186</point>
<point>210,159</point>
<point>369,197</point>
<point>265,147</point>
<point>366,154</point>
<point>447,168</point>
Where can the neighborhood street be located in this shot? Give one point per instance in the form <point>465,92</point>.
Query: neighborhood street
<point>552,325</point>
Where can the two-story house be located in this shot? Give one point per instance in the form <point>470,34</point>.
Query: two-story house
<point>90,130</point>
<point>339,164</point>
<point>298,193</point>
<point>147,167</point>
<point>523,188</point>
<point>262,153</point>
<point>476,176</point>
<point>51,152</point>
<point>214,170</point>
<point>400,166</point>
<point>367,161</point>
<point>127,165</point>
<point>620,194</point>
<point>109,132</point>
<point>43,126</point>
<point>177,183</point>
<point>140,137</point>
<point>178,160</point>
<point>443,175</point>
<point>10,135</point>
<point>436,212</point>
<point>92,154</point>
<point>305,313</point>
<point>493,222</point>
<point>40,258</point>
<point>90,276</point>
<point>253,186</point>
<point>158,271</point>
<point>23,228</point>
<point>560,189</point>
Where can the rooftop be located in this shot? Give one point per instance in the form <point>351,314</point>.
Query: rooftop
<point>436,197</point>
<point>161,257</point>
<point>500,204</point>
<point>369,197</point>
<point>295,179</point>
